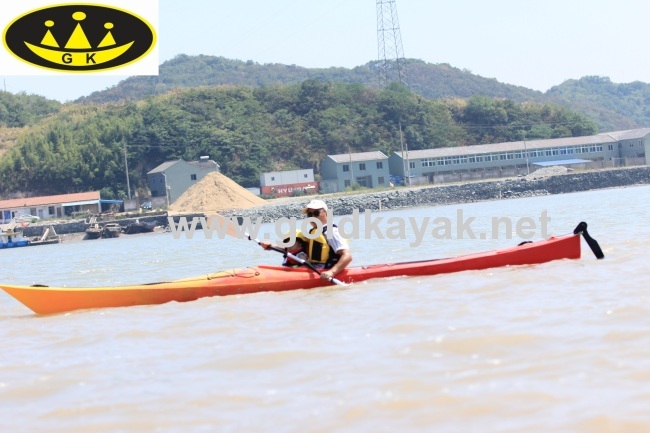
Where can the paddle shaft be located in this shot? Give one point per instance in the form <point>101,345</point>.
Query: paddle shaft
<point>299,260</point>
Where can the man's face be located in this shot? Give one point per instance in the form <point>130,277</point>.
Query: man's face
<point>321,214</point>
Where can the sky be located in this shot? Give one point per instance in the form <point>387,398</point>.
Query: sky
<point>537,44</point>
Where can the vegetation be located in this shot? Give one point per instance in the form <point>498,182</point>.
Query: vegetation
<point>249,130</point>
<point>22,109</point>
<point>611,106</point>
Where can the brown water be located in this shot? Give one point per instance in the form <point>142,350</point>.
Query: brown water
<point>558,347</point>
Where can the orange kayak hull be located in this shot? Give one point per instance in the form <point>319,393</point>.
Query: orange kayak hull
<point>49,300</point>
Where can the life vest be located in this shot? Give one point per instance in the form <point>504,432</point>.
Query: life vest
<point>297,250</point>
<point>319,251</point>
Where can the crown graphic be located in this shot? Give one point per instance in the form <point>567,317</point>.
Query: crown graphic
<point>85,54</point>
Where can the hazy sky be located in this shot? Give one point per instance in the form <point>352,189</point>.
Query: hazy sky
<point>533,43</point>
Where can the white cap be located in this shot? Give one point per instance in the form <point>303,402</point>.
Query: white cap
<point>315,204</point>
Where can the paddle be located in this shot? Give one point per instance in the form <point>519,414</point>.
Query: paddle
<point>593,244</point>
<point>232,231</point>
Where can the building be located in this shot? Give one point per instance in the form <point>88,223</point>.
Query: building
<point>367,169</point>
<point>55,206</point>
<point>285,183</point>
<point>610,149</point>
<point>172,178</point>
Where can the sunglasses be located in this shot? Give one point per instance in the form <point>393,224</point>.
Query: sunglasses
<point>313,213</point>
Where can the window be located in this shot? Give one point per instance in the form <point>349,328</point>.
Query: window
<point>346,183</point>
<point>193,176</point>
<point>411,164</point>
<point>346,168</point>
<point>362,166</point>
<point>380,165</point>
<point>610,147</point>
<point>380,180</point>
<point>272,177</point>
<point>428,162</point>
<point>631,144</point>
<point>50,210</point>
<point>472,159</point>
<point>305,175</point>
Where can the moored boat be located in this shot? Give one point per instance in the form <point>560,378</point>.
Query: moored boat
<point>48,237</point>
<point>47,300</point>
<point>11,235</point>
<point>111,230</point>
<point>140,227</point>
<point>93,231</point>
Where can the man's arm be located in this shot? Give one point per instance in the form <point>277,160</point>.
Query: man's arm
<point>344,261</point>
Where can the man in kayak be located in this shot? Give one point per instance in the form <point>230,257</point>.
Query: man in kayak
<point>332,252</point>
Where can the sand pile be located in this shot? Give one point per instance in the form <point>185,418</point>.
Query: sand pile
<point>554,170</point>
<point>213,193</point>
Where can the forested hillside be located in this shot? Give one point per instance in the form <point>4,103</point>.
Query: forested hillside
<point>611,106</point>
<point>21,109</point>
<point>249,130</point>
<point>428,80</point>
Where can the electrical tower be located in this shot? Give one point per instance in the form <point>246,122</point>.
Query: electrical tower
<point>392,66</point>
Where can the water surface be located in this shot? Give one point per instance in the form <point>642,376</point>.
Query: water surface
<point>560,347</point>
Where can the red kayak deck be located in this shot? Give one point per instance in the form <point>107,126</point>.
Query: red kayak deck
<point>48,300</point>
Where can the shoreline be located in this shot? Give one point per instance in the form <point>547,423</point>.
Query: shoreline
<point>393,199</point>
<point>458,193</point>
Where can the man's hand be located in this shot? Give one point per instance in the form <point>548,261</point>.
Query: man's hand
<point>326,275</point>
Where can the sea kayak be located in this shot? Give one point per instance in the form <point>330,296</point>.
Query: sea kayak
<point>48,300</point>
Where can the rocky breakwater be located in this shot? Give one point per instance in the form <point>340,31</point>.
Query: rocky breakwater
<point>80,226</point>
<point>540,183</point>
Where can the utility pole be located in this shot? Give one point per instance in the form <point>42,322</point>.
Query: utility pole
<point>351,169</point>
<point>126,169</point>
<point>526,150</point>
<point>389,41</point>
<point>407,171</point>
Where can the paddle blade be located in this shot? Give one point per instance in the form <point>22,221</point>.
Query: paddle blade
<point>593,244</point>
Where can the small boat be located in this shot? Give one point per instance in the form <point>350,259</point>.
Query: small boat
<point>93,231</point>
<point>49,237</point>
<point>111,230</point>
<point>11,235</point>
<point>140,227</point>
<point>47,300</point>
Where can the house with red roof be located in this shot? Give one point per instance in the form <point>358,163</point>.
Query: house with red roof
<point>52,206</point>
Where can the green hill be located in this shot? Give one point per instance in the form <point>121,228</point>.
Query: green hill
<point>611,106</point>
<point>249,130</point>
